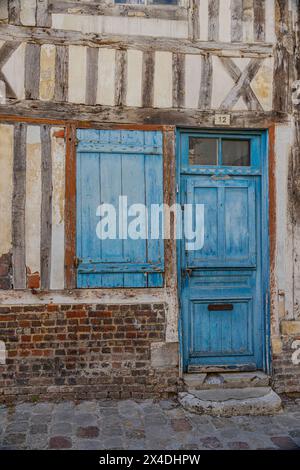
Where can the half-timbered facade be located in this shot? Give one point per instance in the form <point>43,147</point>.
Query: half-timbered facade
<point>163,102</point>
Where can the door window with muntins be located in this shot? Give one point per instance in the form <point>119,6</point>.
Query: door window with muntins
<point>210,151</point>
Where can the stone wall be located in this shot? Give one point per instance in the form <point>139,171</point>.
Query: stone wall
<point>86,351</point>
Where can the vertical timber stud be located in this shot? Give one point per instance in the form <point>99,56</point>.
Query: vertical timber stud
<point>18,207</point>
<point>121,78</point>
<point>206,82</point>
<point>178,67</point>
<point>148,79</point>
<point>169,159</point>
<point>213,19</point>
<point>43,16</point>
<point>61,73</point>
<point>193,20</point>
<point>70,208</point>
<point>14,9</point>
<point>259,20</point>
<point>32,71</point>
<point>272,218</point>
<point>46,208</point>
<point>236,20</point>
<point>91,75</point>
<point>281,58</point>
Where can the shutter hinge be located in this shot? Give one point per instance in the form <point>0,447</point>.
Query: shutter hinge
<point>76,142</point>
<point>77,261</point>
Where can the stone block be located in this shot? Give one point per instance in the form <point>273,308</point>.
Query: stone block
<point>290,328</point>
<point>164,355</point>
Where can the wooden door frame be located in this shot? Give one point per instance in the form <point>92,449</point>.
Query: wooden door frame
<point>268,232</point>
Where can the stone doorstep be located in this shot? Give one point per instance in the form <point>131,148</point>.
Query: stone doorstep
<point>250,401</point>
<point>226,380</point>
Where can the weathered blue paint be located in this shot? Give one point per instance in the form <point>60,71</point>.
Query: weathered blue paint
<point>111,164</point>
<point>231,270</point>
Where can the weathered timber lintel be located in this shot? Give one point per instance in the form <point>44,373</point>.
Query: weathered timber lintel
<point>61,112</point>
<point>170,12</point>
<point>60,37</point>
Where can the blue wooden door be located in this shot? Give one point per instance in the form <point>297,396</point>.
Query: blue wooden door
<point>110,165</point>
<point>221,281</point>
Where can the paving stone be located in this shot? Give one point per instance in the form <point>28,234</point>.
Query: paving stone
<point>87,407</point>
<point>113,443</point>
<point>157,418</point>
<point>135,444</point>
<point>20,416</point>
<point>85,444</point>
<point>229,433</point>
<point>37,441</point>
<point>60,442</point>
<point>63,416</point>
<point>169,404</point>
<point>14,439</point>
<point>144,425</point>
<point>211,442</point>
<point>223,423</point>
<point>109,413</point>
<point>88,432</point>
<point>38,429</point>
<point>238,446</point>
<point>40,418</point>
<point>135,434</point>
<point>127,408</point>
<point>159,431</point>
<point>61,429</point>
<point>42,408</point>
<point>176,413</point>
<point>106,403</point>
<point>284,443</point>
<point>181,425</point>
<point>24,407</point>
<point>295,433</point>
<point>64,406</point>
<point>18,426</point>
<point>112,431</point>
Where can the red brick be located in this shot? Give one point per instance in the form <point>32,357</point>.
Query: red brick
<point>26,338</point>
<point>33,281</point>
<point>76,314</point>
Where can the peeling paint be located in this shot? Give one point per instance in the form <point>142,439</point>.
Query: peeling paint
<point>58,150</point>
<point>6,181</point>
<point>33,199</point>
<point>262,84</point>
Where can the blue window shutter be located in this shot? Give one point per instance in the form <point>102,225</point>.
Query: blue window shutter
<point>112,164</point>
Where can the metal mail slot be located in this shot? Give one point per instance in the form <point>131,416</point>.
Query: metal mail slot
<point>220,307</point>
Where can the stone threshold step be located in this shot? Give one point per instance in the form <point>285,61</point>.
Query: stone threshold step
<point>225,380</point>
<point>251,401</point>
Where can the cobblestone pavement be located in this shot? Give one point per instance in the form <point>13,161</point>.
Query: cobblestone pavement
<point>141,425</point>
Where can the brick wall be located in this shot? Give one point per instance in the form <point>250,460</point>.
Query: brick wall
<point>286,374</point>
<point>83,351</point>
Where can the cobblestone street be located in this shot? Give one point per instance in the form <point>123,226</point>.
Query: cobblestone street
<point>141,425</point>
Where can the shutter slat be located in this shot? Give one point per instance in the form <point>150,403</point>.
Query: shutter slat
<point>112,164</point>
